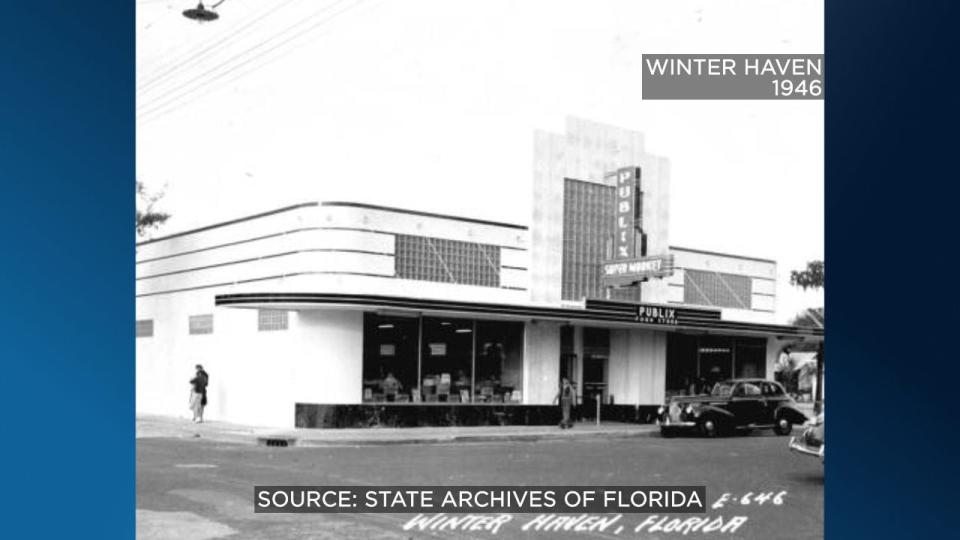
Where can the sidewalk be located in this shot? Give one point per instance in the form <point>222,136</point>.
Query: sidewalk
<point>177,428</point>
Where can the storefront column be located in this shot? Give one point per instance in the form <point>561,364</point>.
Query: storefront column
<point>541,362</point>
<point>578,363</point>
<point>638,363</point>
<point>774,346</point>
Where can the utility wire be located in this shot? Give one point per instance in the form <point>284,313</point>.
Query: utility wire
<point>168,51</point>
<point>170,57</point>
<point>167,109</point>
<point>155,107</point>
<point>155,20</point>
<point>241,54</point>
<point>177,104</point>
<point>191,56</point>
<point>193,52</point>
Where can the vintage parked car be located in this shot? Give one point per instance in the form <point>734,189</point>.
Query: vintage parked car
<point>810,442</point>
<point>732,404</point>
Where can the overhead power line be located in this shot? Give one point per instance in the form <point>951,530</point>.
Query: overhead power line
<point>193,55</point>
<point>241,54</point>
<point>186,89</point>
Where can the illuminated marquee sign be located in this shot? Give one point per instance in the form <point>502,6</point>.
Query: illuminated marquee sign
<point>618,273</point>
<point>627,214</point>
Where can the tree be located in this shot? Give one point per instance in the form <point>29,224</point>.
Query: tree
<point>148,217</point>
<point>809,278</point>
<point>809,318</point>
<point>812,278</point>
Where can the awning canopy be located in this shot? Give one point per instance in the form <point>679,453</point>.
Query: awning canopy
<point>595,312</point>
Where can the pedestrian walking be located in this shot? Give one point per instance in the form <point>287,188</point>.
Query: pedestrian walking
<point>567,397</point>
<point>198,393</point>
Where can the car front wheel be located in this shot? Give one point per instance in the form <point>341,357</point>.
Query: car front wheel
<point>709,427</point>
<point>783,426</point>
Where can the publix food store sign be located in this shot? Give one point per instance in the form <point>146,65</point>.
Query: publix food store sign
<point>656,315</point>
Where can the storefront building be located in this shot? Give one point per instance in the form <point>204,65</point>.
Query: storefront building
<point>328,314</point>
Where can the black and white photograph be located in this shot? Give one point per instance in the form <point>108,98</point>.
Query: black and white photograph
<point>467,269</point>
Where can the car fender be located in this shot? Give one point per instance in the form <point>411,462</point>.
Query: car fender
<point>708,410</point>
<point>790,413</point>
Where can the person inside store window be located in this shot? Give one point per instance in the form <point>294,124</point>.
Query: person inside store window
<point>712,379</point>
<point>462,382</point>
<point>391,386</point>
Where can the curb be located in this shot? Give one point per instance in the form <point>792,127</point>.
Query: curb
<point>287,439</point>
<point>308,443</point>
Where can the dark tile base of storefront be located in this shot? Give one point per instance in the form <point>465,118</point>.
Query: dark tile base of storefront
<point>311,415</point>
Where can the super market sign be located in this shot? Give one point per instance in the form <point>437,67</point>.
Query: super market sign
<point>614,273</point>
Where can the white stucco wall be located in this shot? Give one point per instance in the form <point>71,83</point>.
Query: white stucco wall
<point>335,247</point>
<point>773,353</point>
<point>637,366</point>
<point>255,377</point>
<point>541,367</point>
<point>329,361</point>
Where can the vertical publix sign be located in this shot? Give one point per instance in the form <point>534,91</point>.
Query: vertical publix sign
<point>628,215</point>
<point>630,263</point>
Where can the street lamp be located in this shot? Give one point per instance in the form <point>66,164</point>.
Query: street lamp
<point>201,13</point>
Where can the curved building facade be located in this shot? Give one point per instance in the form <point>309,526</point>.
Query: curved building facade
<point>328,314</point>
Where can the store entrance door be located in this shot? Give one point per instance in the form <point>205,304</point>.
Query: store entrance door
<point>594,384</point>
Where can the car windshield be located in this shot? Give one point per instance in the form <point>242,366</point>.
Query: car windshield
<point>722,389</point>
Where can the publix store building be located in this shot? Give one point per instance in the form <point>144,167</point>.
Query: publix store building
<point>336,314</point>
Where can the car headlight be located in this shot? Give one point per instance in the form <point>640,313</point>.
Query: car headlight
<point>692,409</point>
<point>660,410</point>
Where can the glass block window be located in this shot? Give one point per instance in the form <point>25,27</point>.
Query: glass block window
<point>271,319</point>
<point>716,289</point>
<point>450,261</point>
<point>201,324</point>
<point>588,223</point>
<point>145,328</point>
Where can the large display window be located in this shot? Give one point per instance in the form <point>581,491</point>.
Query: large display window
<point>389,357</point>
<point>441,360</point>
<point>751,358</point>
<point>696,362</point>
<point>447,360</point>
<point>499,366</point>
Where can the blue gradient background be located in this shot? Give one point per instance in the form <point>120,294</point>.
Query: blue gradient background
<point>67,170</point>
<point>893,371</point>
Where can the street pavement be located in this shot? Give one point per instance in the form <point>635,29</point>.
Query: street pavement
<point>192,487</point>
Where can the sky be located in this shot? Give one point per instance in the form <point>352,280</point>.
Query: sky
<point>432,104</point>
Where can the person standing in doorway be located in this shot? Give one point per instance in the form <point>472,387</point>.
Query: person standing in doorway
<point>198,393</point>
<point>567,397</point>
